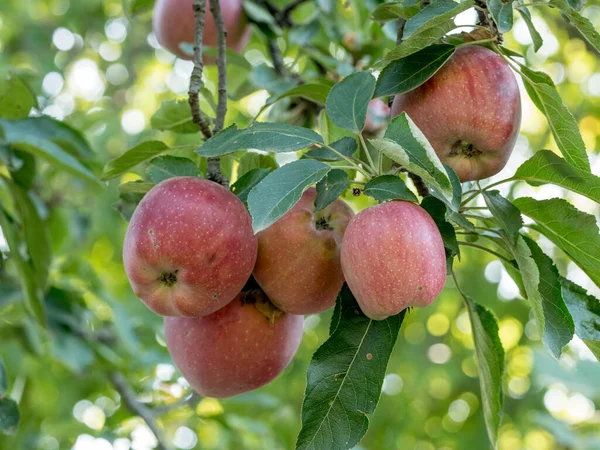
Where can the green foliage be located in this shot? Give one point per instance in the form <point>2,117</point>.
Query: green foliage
<point>348,101</point>
<point>330,188</point>
<point>388,187</point>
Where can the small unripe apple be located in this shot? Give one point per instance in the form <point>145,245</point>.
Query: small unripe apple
<point>470,111</point>
<point>241,347</point>
<point>378,113</point>
<point>174,23</point>
<point>189,248</point>
<point>298,263</point>
<point>393,257</point>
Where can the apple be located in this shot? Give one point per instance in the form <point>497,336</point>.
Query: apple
<point>470,111</point>
<point>189,248</point>
<point>378,114</point>
<point>241,347</point>
<point>393,257</point>
<point>298,263</point>
<point>174,23</point>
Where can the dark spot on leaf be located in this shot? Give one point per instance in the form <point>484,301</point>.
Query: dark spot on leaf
<point>369,356</point>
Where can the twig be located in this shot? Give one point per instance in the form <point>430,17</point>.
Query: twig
<point>285,14</point>
<point>213,171</point>
<point>135,406</point>
<point>196,78</point>
<point>276,56</point>
<point>483,19</point>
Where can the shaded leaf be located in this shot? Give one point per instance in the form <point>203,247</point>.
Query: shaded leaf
<point>419,40</point>
<point>16,99</point>
<point>246,183</point>
<point>502,13</point>
<point>314,92</point>
<point>389,187</point>
<point>3,379</point>
<point>330,188</point>
<point>346,146</point>
<point>132,157</point>
<point>507,214</point>
<point>174,115</point>
<point>348,101</point>
<point>164,167</point>
<point>9,416</point>
<point>135,187</point>
<point>252,160</point>
<point>437,210</point>
<point>535,35</point>
<point>435,14</point>
<point>394,10</point>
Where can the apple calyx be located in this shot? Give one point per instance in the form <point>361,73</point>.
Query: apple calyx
<point>465,148</point>
<point>322,223</point>
<point>168,278</point>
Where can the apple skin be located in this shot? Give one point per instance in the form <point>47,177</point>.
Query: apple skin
<point>470,111</point>
<point>378,114</point>
<point>189,248</point>
<point>393,257</point>
<point>298,265</point>
<point>174,23</point>
<point>236,349</point>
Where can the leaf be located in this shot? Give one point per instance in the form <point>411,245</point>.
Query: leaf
<point>585,310</point>
<point>582,23</point>
<point>507,214</point>
<point>389,187</point>
<point>434,15</point>
<point>490,359</point>
<point>345,377</point>
<point>132,157</point>
<point>547,167</point>
<point>535,36</point>
<point>437,210</point>
<point>246,183</point>
<point>269,137</point>
<point>394,10</point>
<point>24,176</point>
<point>16,99</point>
<point>3,379</point>
<point>559,327</point>
<point>330,188</point>
<point>135,187</point>
<point>135,7</point>
<point>252,160</point>
<point>175,116</point>
<point>314,92</point>
<point>25,135</point>
<point>563,125</point>
<point>164,167</point>
<point>502,13</point>
<point>573,231</point>
<point>348,101</point>
<point>9,416</point>
<point>346,146</point>
<point>280,190</point>
<point>408,73</point>
<point>419,41</point>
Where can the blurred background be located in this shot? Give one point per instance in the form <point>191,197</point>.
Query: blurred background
<point>99,68</point>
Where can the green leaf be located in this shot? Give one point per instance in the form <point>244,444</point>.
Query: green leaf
<point>419,40</point>
<point>346,146</point>
<point>348,101</point>
<point>573,231</point>
<point>535,36</point>
<point>135,187</point>
<point>246,183</point>
<point>406,145</point>
<point>437,210</point>
<point>507,214</point>
<point>132,157</point>
<point>389,187</point>
<point>135,7</point>
<point>9,416</point>
<point>280,190</point>
<point>490,359</point>
<point>330,188</point>
<point>345,377</point>
<point>16,99</point>
<point>408,73</point>
<point>164,167</point>
<point>547,167</point>
<point>314,92</point>
<point>34,301</point>
<point>585,310</point>
<point>31,136</point>
<point>563,125</point>
<point>3,379</point>
<point>175,116</point>
<point>24,175</point>
<point>559,326</point>
<point>252,160</point>
<point>394,10</point>
<point>583,24</point>
<point>502,13</point>
<point>269,137</point>
<point>434,15</point>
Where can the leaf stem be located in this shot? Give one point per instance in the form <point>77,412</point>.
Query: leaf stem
<point>485,188</point>
<point>349,160</point>
<point>371,163</point>
<point>485,249</point>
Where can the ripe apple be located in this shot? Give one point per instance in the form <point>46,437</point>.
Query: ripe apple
<point>241,347</point>
<point>298,263</point>
<point>378,112</point>
<point>393,257</point>
<point>189,248</point>
<point>470,111</point>
<point>174,23</point>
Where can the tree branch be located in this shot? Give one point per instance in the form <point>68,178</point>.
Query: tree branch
<point>276,56</point>
<point>213,171</point>
<point>135,406</point>
<point>285,14</point>
<point>196,78</point>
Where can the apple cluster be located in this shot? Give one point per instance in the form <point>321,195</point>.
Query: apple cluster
<point>234,301</point>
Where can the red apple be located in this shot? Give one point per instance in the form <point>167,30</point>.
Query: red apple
<point>470,111</point>
<point>378,114</point>
<point>393,257</point>
<point>174,23</point>
<point>298,263</point>
<point>241,347</point>
<point>189,247</point>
